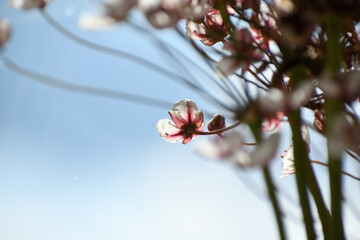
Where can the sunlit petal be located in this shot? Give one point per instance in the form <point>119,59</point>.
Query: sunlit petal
<point>169,131</point>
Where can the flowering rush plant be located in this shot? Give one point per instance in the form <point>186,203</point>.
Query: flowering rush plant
<point>276,63</point>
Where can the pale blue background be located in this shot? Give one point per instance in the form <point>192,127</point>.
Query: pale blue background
<point>81,167</point>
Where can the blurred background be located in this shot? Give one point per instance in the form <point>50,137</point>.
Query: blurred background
<point>76,166</point>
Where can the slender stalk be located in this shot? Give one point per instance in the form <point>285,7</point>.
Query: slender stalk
<point>333,108</point>
<point>352,155</point>
<point>301,158</point>
<point>322,209</point>
<point>343,172</point>
<point>255,127</point>
<point>76,88</point>
<point>272,194</point>
<point>300,154</point>
<point>221,131</point>
<point>139,60</point>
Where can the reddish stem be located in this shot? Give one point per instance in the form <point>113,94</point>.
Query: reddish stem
<point>343,172</point>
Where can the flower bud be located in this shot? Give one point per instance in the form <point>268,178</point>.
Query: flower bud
<point>319,120</point>
<point>217,122</point>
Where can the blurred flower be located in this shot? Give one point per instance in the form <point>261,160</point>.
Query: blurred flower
<point>260,156</point>
<point>278,101</point>
<point>161,13</point>
<point>344,134</point>
<point>118,9</point>
<point>231,148</point>
<point>209,31</point>
<point>195,9</point>
<point>274,101</point>
<point>187,119</point>
<point>284,6</point>
<point>221,148</point>
<point>97,22</point>
<point>273,124</point>
<point>346,86</point>
<point>4,31</point>
<point>243,53</point>
<point>28,4</point>
<point>114,11</point>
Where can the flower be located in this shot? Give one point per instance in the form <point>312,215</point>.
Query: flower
<point>243,52</point>
<point>231,148</point>
<point>260,156</point>
<point>221,148</point>
<point>28,4</point>
<point>279,101</point>
<point>187,119</point>
<point>273,124</point>
<point>4,31</point>
<point>114,11</point>
<point>118,9</point>
<point>210,31</point>
<point>288,163</point>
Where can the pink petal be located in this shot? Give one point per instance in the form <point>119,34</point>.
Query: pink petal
<point>199,121</point>
<point>169,131</point>
<point>177,118</point>
<point>187,139</point>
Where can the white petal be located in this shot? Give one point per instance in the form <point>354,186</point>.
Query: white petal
<point>288,163</point>
<point>301,95</point>
<point>89,21</point>
<point>240,158</point>
<point>227,66</point>
<point>273,102</point>
<point>168,131</point>
<point>305,134</point>
<point>195,31</point>
<point>186,106</point>
<point>265,151</point>
<point>207,149</point>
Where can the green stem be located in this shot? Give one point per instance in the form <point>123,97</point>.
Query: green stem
<point>323,211</point>
<point>300,154</point>
<point>333,109</point>
<point>272,194</point>
<point>255,127</point>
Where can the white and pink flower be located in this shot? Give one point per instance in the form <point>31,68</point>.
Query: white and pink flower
<point>288,163</point>
<point>187,120</point>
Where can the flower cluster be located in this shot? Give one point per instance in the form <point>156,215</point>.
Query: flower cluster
<point>272,60</point>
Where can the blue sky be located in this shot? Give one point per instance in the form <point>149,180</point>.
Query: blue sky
<point>79,167</point>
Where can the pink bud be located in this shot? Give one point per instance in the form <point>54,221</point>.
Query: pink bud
<point>217,122</point>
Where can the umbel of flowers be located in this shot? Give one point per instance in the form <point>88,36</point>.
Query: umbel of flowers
<point>271,60</point>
